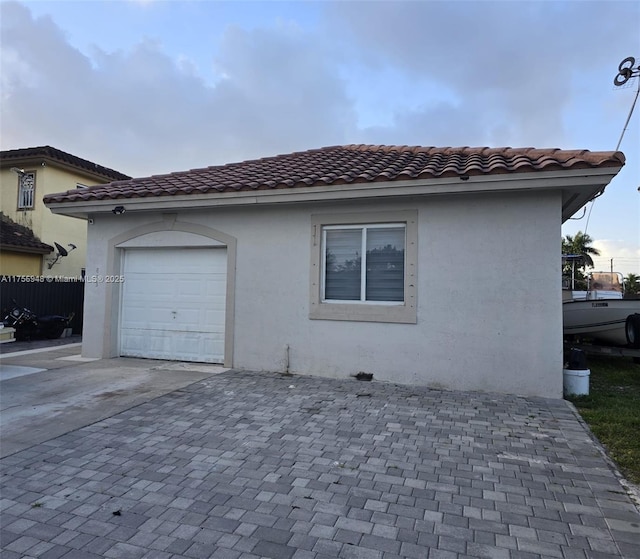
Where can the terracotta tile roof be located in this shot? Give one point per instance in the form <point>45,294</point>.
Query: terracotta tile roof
<point>20,238</point>
<point>48,152</point>
<point>341,165</point>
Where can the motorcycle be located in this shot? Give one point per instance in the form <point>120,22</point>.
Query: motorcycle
<point>29,326</point>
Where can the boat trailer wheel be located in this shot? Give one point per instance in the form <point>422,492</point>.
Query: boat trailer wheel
<point>632,330</point>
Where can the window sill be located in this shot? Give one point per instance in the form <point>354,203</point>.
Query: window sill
<point>355,312</point>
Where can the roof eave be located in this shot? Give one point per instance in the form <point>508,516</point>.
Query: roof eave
<point>25,249</point>
<point>43,160</point>
<point>578,186</point>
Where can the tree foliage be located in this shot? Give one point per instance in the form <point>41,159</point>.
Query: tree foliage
<point>578,245</point>
<point>632,284</point>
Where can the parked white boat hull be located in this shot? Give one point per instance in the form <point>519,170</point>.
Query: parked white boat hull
<point>601,319</point>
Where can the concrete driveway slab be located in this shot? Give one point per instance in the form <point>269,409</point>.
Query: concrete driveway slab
<point>248,465</point>
<point>44,394</point>
<point>12,371</point>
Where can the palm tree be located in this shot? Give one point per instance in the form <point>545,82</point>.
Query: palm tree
<point>631,284</point>
<point>578,245</point>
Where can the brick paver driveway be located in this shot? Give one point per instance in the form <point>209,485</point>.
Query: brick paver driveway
<point>246,465</point>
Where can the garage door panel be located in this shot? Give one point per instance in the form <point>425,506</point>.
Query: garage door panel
<point>184,320</point>
<point>137,286</point>
<point>170,345</point>
<point>192,288</point>
<point>173,304</point>
<point>181,261</point>
<point>147,286</point>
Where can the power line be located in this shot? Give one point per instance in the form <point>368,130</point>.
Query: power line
<point>616,257</point>
<point>625,258</point>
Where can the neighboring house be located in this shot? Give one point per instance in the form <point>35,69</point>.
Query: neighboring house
<point>435,266</point>
<point>21,251</point>
<point>26,175</point>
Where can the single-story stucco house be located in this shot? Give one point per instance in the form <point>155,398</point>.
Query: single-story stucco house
<point>433,266</point>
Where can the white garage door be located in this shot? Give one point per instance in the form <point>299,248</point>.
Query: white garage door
<point>173,304</point>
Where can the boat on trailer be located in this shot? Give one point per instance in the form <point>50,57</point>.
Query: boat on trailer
<point>601,312</point>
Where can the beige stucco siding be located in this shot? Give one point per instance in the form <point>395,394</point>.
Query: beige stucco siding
<point>20,264</point>
<point>47,226</point>
<point>488,315</point>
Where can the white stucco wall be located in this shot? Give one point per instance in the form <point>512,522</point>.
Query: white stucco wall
<point>489,311</point>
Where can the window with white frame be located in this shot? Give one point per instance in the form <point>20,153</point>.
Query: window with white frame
<point>363,263</point>
<point>364,267</point>
<point>26,190</point>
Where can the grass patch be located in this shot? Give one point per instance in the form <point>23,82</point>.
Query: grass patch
<point>612,410</point>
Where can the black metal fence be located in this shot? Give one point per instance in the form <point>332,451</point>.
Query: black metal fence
<point>44,297</point>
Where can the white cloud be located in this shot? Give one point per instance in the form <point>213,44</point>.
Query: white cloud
<point>514,67</point>
<point>281,91</point>
<point>435,73</point>
<point>430,73</point>
<point>143,112</point>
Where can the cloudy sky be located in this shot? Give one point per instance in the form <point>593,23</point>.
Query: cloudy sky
<point>148,87</point>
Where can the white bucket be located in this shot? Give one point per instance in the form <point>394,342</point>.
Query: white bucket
<point>576,382</point>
